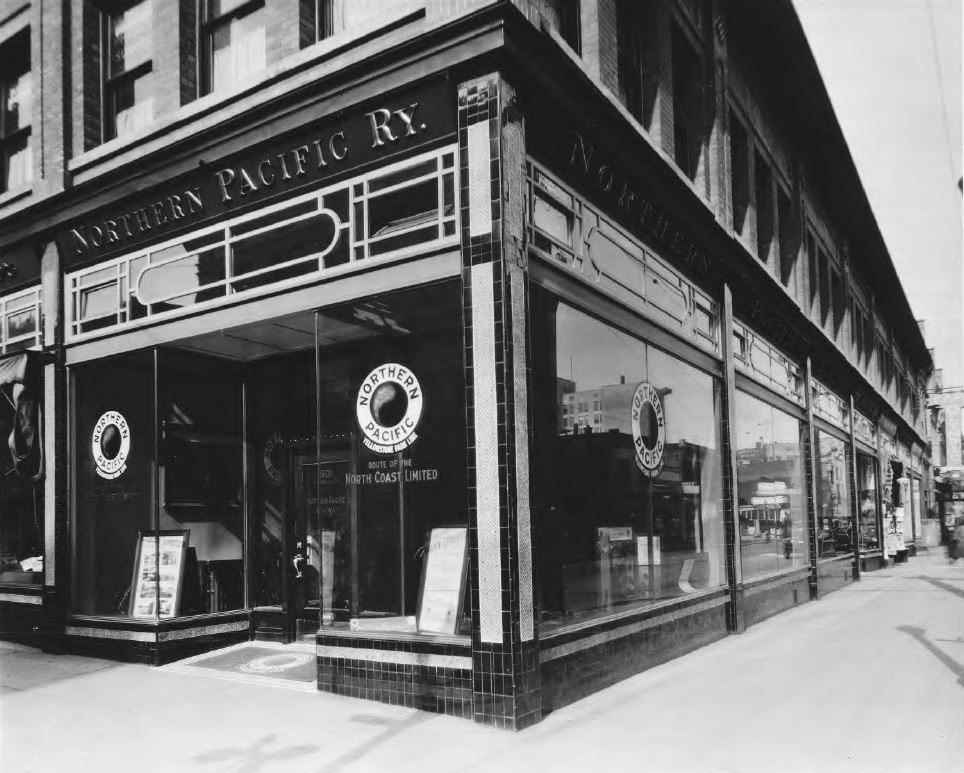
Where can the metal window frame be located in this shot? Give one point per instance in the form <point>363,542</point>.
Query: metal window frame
<point>14,299</point>
<point>207,25</point>
<point>119,271</point>
<point>743,363</point>
<point>111,83</point>
<point>575,258</point>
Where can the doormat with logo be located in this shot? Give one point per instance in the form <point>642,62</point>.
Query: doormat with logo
<point>292,666</point>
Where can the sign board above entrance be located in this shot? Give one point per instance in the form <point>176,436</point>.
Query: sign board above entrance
<point>339,144</point>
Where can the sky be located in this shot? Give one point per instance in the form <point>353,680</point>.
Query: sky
<point>893,72</point>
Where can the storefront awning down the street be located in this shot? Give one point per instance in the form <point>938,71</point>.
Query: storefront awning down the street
<point>21,414</point>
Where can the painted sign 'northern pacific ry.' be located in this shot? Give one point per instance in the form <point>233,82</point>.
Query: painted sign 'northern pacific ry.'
<point>111,444</point>
<point>388,407</point>
<point>649,428</point>
<point>266,172</point>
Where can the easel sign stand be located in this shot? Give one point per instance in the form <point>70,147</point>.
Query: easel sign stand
<point>442,587</point>
<point>159,562</point>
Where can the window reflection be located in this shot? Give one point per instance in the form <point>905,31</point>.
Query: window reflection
<point>609,534</point>
<point>770,488</point>
<point>867,487</point>
<point>835,530</point>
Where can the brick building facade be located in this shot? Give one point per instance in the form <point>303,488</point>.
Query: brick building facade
<point>293,295</point>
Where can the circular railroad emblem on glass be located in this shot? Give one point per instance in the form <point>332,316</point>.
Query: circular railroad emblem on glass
<point>111,444</point>
<point>272,664</point>
<point>649,428</point>
<point>388,407</point>
<point>272,465</point>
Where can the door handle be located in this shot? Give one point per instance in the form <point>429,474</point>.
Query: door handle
<point>296,561</point>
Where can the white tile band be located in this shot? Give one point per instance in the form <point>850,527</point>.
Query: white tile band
<point>50,476</point>
<point>523,518</point>
<point>398,657</point>
<point>480,180</point>
<point>486,453</point>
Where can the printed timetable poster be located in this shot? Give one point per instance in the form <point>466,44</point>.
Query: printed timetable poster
<point>443,581</point>
<point>158,574</point>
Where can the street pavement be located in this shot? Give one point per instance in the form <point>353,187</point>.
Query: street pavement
<point>869,678</point>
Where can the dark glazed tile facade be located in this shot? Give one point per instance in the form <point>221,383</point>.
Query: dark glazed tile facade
<point>834,573</point>
<point>576,666</point>
<point>770,596</point>
<point>505,676</point>
<point>416,673</point>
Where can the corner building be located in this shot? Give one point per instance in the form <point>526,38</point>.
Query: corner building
<point>500,350</point>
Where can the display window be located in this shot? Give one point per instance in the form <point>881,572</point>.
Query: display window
<point>391,463</point>
<point>21,472</point>
<point>627,469</point>
<point>915,505</point>
<point>159,524</point>
<point>867,502</point>
<point>297,466</point>
<point>113,485</point>
<point>771,487</point>
<point>836,534</point>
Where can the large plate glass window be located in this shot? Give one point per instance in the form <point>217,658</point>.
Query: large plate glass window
<point>867,494</point>
<point>835,525</point>
<point>200,475</point>
<point>158,520</point>
<point>771,492</point>
<point>391,453</point>
<point>627,469</point>
<point>114,487</point>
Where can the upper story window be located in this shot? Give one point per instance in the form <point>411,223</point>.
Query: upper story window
<point>16,105</point>
<point>823,267</point>
<point>763,184</point>
<point>637,72</point>
<point>688,123</point>
<point>321,19</point>
<point>813,271</point>
<point>789,238</point>
<point>838,297</point>
<point>233,42</point>
<point>739,172</point>
<point>858,329</point>
<point>129,86</point>
<point>563,16</point>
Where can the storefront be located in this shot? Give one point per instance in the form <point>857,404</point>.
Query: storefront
<point>627,480</point>
<point>835,520</point>
<point>267,413</point>
<point>868,493</point>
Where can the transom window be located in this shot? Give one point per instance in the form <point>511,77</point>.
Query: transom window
<point>406,208</point>
<point>20,320</point>
<point>16,105</point>
<point>762,361</point>
<point>829,406</point>
<point>233,42</point>
<point>129,79</point>
<point>564,229</point>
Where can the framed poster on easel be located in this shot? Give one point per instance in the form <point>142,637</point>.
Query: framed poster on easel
<point>443,581</point>
<point>159,560</point>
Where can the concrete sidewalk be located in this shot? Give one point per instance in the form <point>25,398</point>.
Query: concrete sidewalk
<point>870,678</point>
